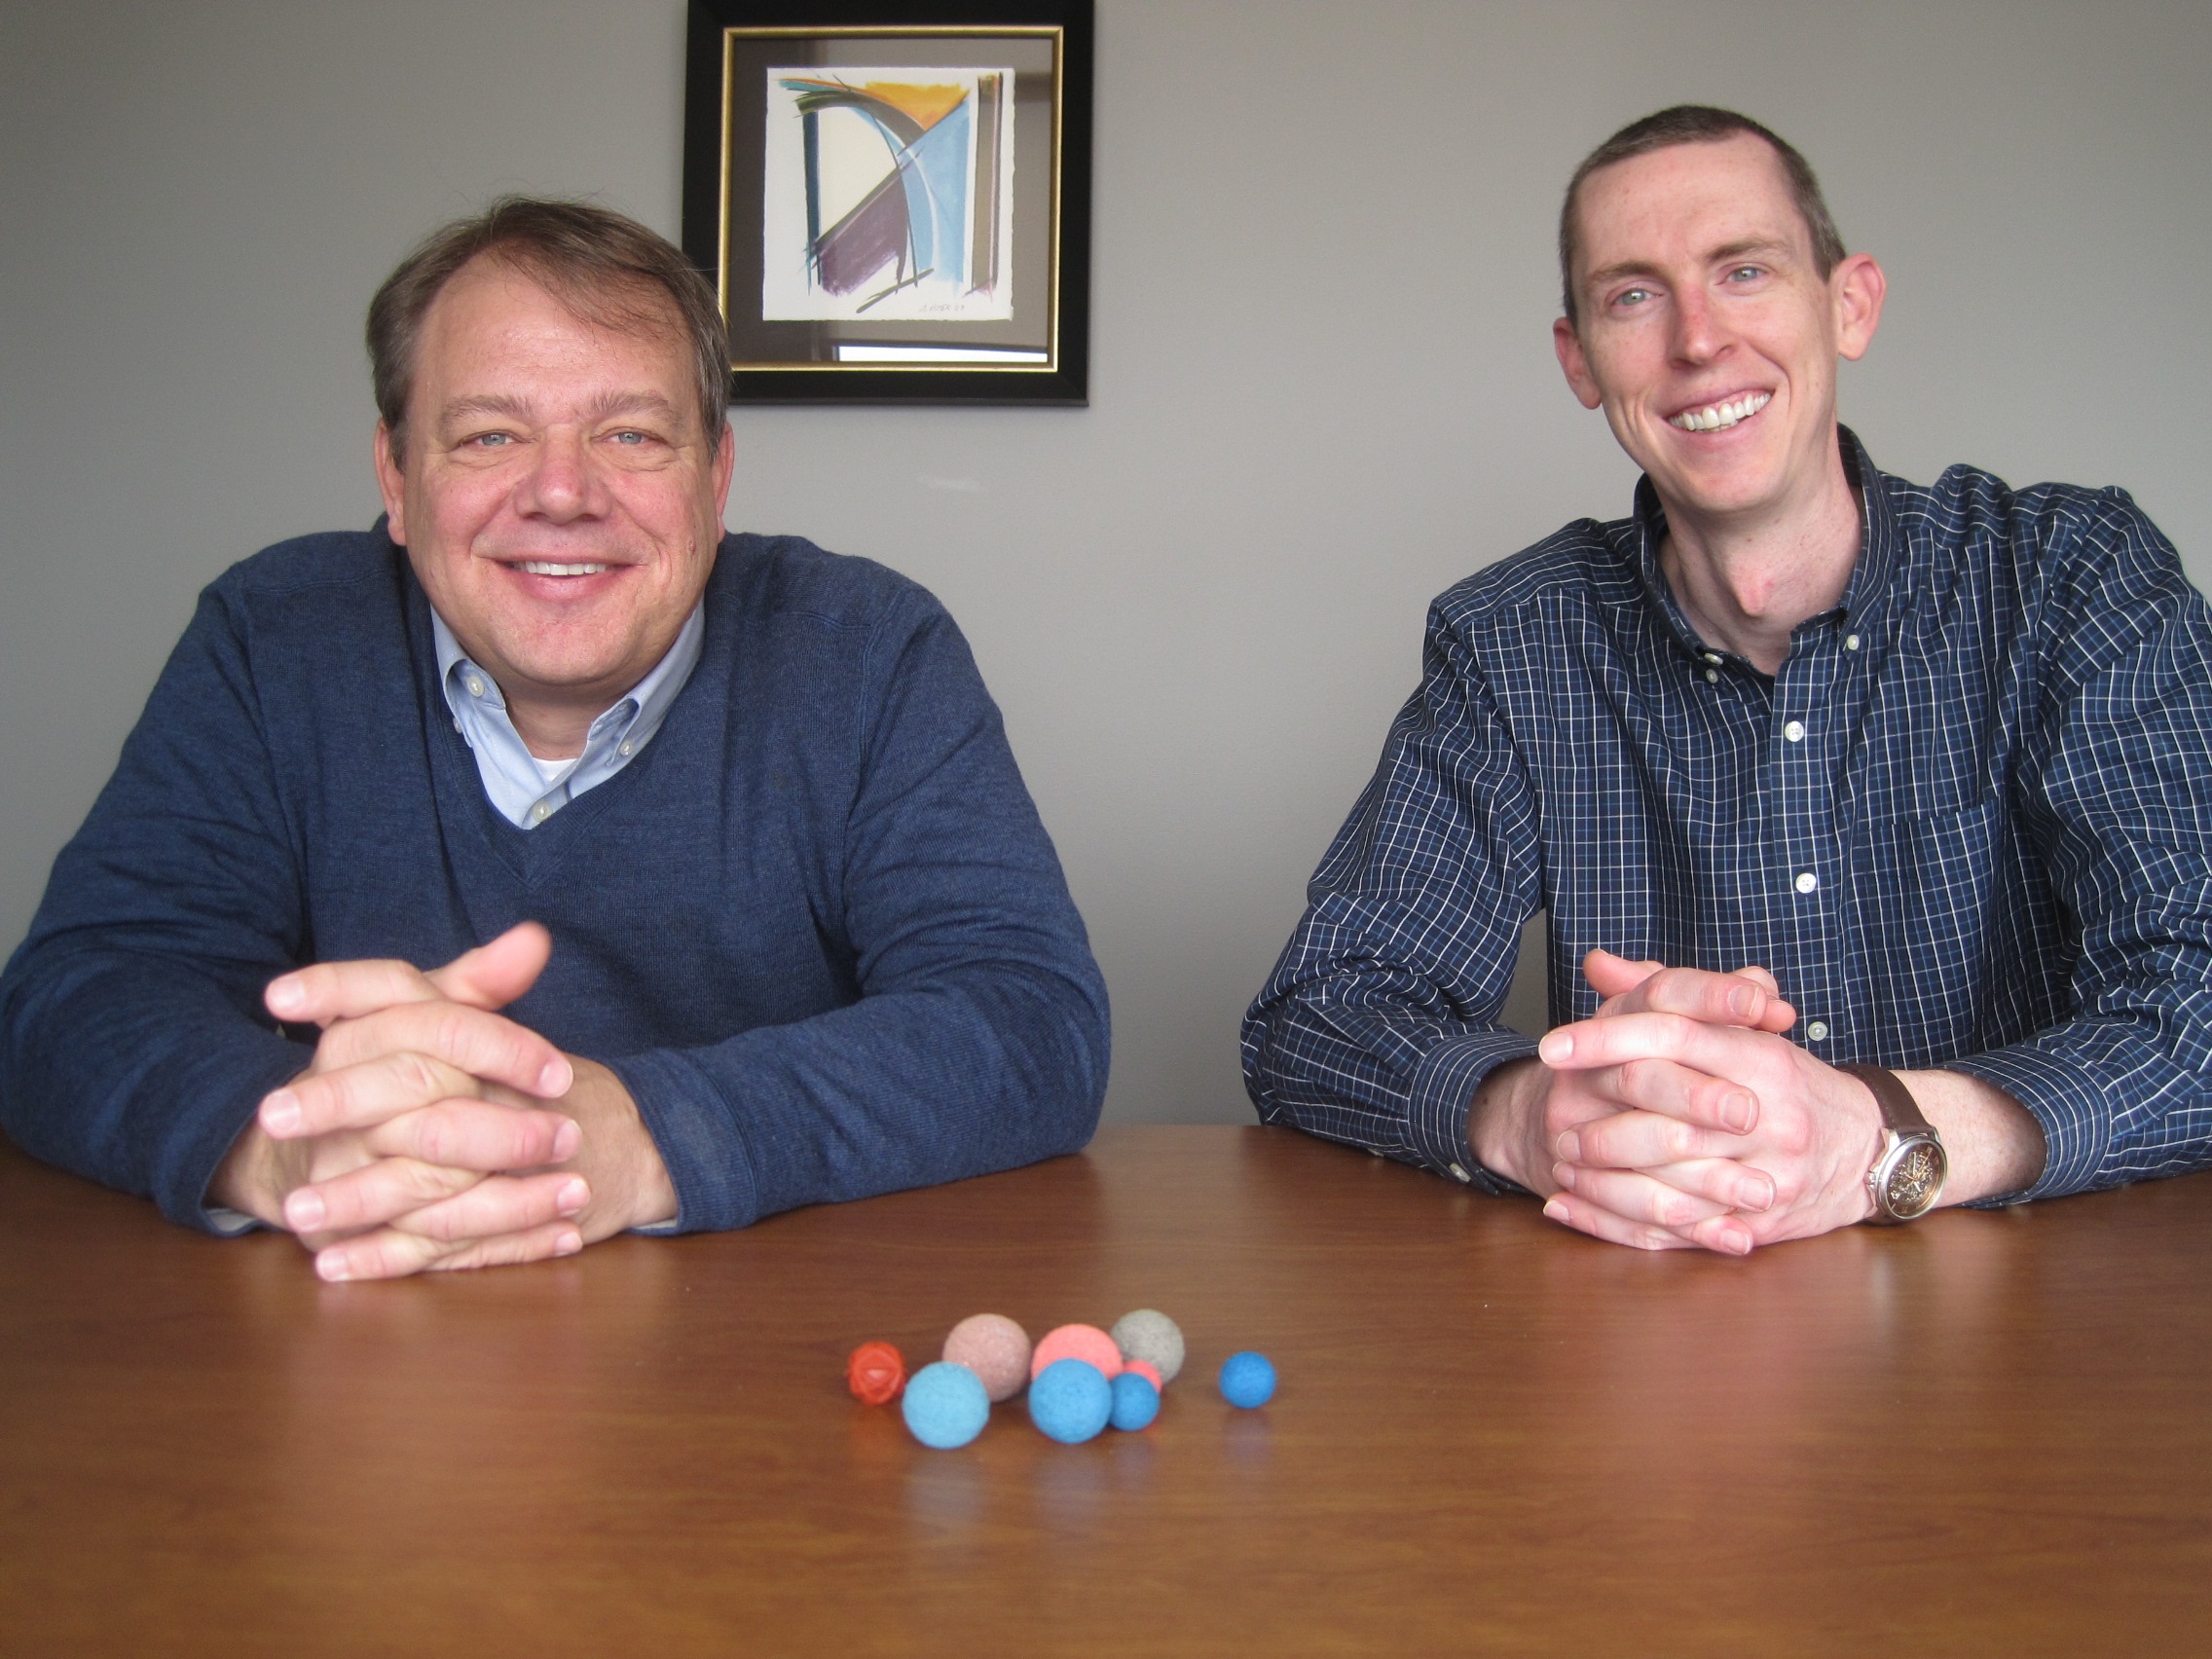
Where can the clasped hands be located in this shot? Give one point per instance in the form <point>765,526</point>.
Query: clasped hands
<point>424,1134</point>
<point>1678,1115</point>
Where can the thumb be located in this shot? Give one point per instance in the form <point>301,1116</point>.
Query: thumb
<point>494,975</point>
<point>1611,975</point>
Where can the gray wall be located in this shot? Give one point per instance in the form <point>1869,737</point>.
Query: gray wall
<point>1323,389</point>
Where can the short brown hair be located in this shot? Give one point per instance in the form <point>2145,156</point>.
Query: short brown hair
<point>1697,123</point>
<point>605,267</point>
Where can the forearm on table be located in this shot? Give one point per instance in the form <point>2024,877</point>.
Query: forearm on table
<point>899,1090</point>
<point>133,1072</point>
<point>1994,1145</point>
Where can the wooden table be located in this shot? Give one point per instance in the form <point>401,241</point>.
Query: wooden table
<point>1985,1432</point>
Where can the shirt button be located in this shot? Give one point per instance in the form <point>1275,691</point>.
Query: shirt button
<point>1460,1174</point>
<point>1794,731</point>
<point>1712,657</point>
<point>540,813</point>
<point>1850,642</point>
<point>1711,678</point>
<point>1818,1031</point>
<point>475,686</point>
<point>623,748</point>
<point>1807,881</point>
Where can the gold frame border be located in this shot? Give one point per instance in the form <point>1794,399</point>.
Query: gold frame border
<point>1057,33</point>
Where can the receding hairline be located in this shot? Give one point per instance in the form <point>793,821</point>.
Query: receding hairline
<point>1674,128</point>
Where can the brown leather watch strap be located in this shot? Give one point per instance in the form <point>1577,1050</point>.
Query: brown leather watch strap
<point>1899,1111</point>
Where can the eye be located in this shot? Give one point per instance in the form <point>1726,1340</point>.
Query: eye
<point>1628,298</point>
<point>630,437</point>
<point>489,440</point>
<point>1746,274</point>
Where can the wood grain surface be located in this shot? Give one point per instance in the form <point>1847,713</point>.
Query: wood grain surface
<point>1986,1432</point>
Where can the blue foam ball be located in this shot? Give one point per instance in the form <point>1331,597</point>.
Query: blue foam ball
<point>946,1405</point>
<point>1248,1379</point>
<point>1070,1400</point>
<point>1136,1402</point>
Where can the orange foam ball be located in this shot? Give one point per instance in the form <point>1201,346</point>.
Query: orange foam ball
<point>1145,1369</point>
<point>875,1373</point>
<point>1087,1343</point>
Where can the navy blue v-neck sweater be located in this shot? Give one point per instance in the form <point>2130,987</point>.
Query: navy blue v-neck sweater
<point>815,926</point>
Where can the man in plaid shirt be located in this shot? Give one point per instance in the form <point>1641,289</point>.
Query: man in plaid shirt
<point>1873,821</point>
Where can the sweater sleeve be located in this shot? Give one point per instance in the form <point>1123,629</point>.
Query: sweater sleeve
<point>2117,789</point>
<point>980,1038</point>
<point>133,1048</point>
<point>1381,1018</point>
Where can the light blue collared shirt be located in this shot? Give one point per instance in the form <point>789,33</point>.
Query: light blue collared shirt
<point>528,791</point>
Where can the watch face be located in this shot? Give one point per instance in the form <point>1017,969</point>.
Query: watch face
<point>1915,1180</point>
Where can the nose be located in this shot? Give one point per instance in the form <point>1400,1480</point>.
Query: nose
<point>563,483</point>
<point>1699,335</point>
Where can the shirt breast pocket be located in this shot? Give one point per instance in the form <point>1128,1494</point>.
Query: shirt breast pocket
<point>1921,888</point>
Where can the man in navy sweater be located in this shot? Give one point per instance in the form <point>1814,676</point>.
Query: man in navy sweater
<point>740,900</point>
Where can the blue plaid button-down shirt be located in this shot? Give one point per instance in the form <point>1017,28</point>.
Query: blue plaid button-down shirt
<point>1968,823</point>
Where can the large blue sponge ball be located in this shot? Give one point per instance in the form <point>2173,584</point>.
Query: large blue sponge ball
<point>1070,1400</point>
<point>1136,1402</point>
<point>1248,1379</point>
<point>946,1405</point>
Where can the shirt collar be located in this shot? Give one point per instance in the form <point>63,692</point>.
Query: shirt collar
<point>650,698</point>
<point>1872,575</point>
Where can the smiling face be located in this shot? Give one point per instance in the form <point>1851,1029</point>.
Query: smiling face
<point>558,499</point>
<point>1707,333</point>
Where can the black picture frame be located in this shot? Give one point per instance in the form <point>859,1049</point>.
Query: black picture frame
<point>738,197</point>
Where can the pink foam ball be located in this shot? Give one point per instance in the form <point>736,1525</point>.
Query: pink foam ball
<point>995,1348</point>
<point>1087,1343</point>
<point>1145,1369</point>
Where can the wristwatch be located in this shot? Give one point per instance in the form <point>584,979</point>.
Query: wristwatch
<point>1907,1178</point>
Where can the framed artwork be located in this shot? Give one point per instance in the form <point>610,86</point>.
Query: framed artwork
<point>893,200</point>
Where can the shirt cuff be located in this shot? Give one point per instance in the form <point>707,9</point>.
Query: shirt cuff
<point>699,1143</point>
<point>1444,1088</point>
<point>2066,1099</point>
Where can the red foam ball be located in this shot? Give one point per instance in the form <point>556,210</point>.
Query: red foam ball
<point>1145,1369</point>
<point>1087,1343</point>
<point>875,1374</point>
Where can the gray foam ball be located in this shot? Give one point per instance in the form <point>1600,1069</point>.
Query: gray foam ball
<point>1153,1337</point>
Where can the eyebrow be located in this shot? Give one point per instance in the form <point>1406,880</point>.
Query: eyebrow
<point>1721,255</point>
<point>518,409</point>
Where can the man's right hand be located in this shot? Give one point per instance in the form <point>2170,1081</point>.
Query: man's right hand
<point>414,1111</point>
<point>1523,1109</point>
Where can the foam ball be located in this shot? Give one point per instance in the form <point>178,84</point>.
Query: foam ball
<point>1153,1337</point>
<point>945,1406</point>
<point>1248,1379</point>
<point>1070,1400</point>
<point>995,1348</point>
<point>1136,1402</point>
<point>1144,1369</point>
<point>1087,1343</point>
<point>875,1373</point>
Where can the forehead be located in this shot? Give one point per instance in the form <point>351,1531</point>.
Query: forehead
<point>493,320</point>
<point>1685,200</point>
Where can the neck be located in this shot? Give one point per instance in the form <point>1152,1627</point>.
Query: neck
<point>1746,582</point>
<point>554,731</point>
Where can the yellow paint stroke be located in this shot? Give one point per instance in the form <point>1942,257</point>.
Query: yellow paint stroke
<point>927,105</point>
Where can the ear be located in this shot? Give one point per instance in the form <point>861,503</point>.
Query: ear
<point>391,485</point>
<point>1569,345</point>
<point>725,463</point>
<point>1857,287</point>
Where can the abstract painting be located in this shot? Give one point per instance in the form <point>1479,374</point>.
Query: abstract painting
<point>888,194</point>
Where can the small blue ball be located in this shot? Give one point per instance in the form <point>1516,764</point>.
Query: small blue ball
<point>1248,1379</point>
<point>1070,1400</point>
<point>946,1405</point>
<point>1136,1402</point>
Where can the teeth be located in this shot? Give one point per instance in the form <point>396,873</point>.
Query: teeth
<point>546,568</point>
<point>1718,416</point>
